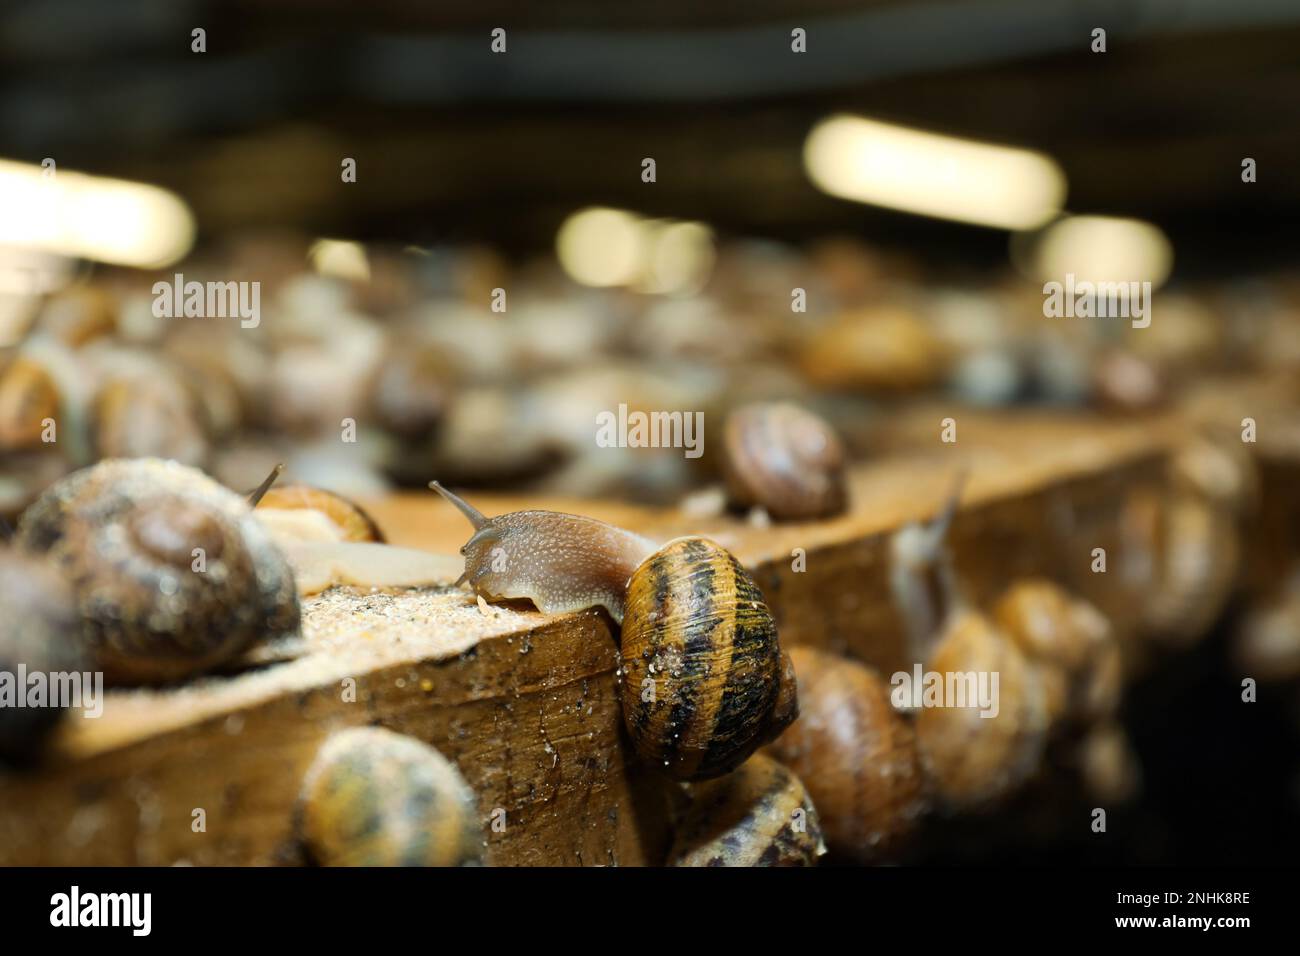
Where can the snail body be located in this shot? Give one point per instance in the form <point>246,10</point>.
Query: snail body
<point>857,756</point>
<point>35,628</point>
<point>373,797</point>
<point>704,680</point>
<point>171,574</point>
<point>785,460</point>
<point>760,815</point>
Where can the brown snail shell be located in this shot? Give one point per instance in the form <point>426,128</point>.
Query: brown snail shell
<point>784,459</point>
<point>146,417</point>
<point>1067,639</point>
<point>28,396</point>
<point>878,349</point>
<point>974,760</point>
<point>856,754</point>
<point>349,519</point>
<point>124,534</point>
<point>704,680</point>
<point>759,815</point>
<point>373,797</point>
<point>38,631</point>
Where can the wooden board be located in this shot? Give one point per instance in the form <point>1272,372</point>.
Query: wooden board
<point>526,703</point>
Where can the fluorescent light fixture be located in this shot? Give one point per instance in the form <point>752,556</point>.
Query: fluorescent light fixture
<point>92,217</point>
<point>934,175</point>
<point>1100,249</point>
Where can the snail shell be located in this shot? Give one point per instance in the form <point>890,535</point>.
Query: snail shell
<point>856,754</point>
<point>760,815</point>
<point>38,631</point>
<point>1067,639</point>
<point>140,416</point>
<point>377,798</point>
<point>28,396</point>
<point>344,520</point>
<point>784,459</point>
<point>974,760</point>
<point>704,679</point>
<point>124,534</point>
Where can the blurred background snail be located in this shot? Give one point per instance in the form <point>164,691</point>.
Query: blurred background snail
<point>170,572</point>
<point>37,637</point>
<point>975,756</point>
<point>373,797</point>
<point>758,815</point>
<point>856,754</point>
<point>785,460</point>
<point>704,680</point>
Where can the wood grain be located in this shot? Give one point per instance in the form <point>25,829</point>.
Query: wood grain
<point>526,704</point>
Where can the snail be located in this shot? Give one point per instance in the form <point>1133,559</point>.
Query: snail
<point>1193,535</point>
<point>330,540</point>
<point>704,680</point>
<point>857,756</point>
<point>373,797</point>
<point>314,512</point>
<point>171,574</point>
<point>785,460</point>
<point>974,756</point>
<point>759,815</point>
<point>35,627</point>
<point>139,416</point>
<point>1068,640</point>
<point>28,397</point>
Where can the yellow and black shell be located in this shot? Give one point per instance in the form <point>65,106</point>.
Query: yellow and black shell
<point>760,815</point>
<point>374,797</point>
<point>704,680</point>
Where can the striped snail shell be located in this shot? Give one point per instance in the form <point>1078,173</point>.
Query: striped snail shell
<point>37,633</point>
<point>785,460</point>
<point>857,756</point>
<point>759,815</point>
<point>974,760</point>
<point>171,574</point>
<point>373,797</point>
<point>704,680</point>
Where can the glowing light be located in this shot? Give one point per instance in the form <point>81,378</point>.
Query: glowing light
<point>681,256</point>
<point>601,247</point>
<point>611,247</point>
<point>933,175</point>
<point>92,217</point>
<point>1099,249</point>
<point>343,260</point>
